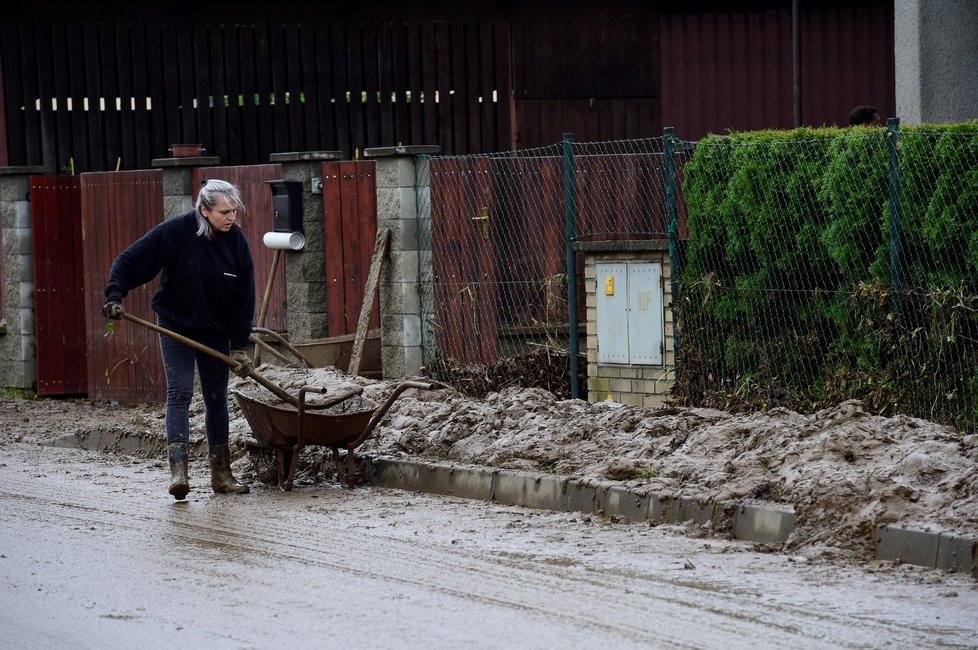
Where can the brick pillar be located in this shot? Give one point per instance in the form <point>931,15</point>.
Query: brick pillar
<point>18,359</point>
<point>305,270</point>
<point>409,256</point>
<point>178,191</point>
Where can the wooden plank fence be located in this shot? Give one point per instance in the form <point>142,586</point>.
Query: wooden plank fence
<point>59,287</point>
<point>350,228</point>
<point>124,361</point>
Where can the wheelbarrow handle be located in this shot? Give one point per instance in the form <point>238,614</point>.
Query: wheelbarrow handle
<point>382,411</point>
<point>277,390</point>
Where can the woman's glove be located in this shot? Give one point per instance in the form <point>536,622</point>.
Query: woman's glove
<point>113,309</point>
<point>240,356</point>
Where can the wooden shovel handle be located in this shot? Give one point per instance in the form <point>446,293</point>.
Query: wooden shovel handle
<point>277,390</point>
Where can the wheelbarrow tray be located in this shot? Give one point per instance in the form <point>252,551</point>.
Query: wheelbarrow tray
<point>278,425</point>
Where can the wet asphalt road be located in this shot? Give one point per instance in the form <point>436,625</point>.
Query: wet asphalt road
<point>94,553</point>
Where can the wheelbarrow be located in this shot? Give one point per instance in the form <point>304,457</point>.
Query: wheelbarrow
<point>290,427</point>
<point>289,430</point>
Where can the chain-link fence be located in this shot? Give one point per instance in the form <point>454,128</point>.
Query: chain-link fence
<point>812,266</point>
<point>830,265</point>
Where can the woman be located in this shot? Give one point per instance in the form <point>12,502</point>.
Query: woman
<point>206,293</point>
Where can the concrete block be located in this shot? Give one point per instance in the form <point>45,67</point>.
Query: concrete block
<point>622,502</point>
<point>389,208</point>
<point>509,488</point>
<point>413,360</point>
<point>25,292</point>
<point>411,298</point>
<point>580,498</point>
<point>395,172</point>
<point>26,320</point>
<point>22,215</point>
<point>655,508</point>
<point>461,482</point>
<point>392,361</point>
<point>544,493</point>
<point>15,187</point>
<point>176,205</point>
<point>28,348</point>
<point>692,510</point>
<point>177,182</point>
<point>405,237</point>
<point>409,264</point>
<point>907,545</point>
<point>763,524</point>
<point>958,554</point>
<point>391,301</point>
<point>24,239</point>
<point>400,474</point>
<point>412,330</point>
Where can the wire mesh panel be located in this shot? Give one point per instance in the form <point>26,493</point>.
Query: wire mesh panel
<point>620,190</point>
<point>495,227</point>
<point>828,265</point>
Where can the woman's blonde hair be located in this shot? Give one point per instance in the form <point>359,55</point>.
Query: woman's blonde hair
<point>210,190</point>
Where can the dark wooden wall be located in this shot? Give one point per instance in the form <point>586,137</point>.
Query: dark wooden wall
<point>249,79</point>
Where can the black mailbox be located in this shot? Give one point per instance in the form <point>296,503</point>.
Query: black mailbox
<point>287,205</point>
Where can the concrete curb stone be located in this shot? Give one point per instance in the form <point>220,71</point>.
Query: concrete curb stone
<point>748,521</point>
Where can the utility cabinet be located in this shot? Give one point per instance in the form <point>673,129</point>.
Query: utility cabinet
<point>630,333</point>
<point>629,313</point>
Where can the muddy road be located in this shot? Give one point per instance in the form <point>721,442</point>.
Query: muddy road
<point>94,553</point>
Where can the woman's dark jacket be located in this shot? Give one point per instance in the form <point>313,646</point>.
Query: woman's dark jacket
<point>205,286</point>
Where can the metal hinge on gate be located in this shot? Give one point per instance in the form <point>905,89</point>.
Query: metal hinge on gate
<point>484,218</point>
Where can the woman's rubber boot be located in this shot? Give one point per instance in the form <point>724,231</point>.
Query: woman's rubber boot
<point>221,479</point>
<point>179,485</point>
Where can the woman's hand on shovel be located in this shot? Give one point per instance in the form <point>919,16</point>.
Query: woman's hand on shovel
<point>244,367</point>
<point>113,309</point>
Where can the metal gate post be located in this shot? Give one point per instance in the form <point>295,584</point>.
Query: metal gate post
<point>668,138</point>
<point>896,215</point>
<point>570,225</point>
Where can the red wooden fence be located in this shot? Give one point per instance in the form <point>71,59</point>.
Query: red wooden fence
<point>59,287</point>
<point>350,228</point>
<point>124,361</point>
<point>255,222</point>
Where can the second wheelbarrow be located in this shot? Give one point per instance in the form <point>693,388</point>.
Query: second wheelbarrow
<point>289,430</point>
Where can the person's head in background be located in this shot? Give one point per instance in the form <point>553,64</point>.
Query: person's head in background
<point>865,116</point>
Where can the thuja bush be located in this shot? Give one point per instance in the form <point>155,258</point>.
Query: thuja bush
<point>787,293</point>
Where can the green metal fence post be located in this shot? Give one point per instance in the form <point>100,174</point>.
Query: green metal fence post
<point>570,226</point>
<point>672,194</point>
<point>896,215</point>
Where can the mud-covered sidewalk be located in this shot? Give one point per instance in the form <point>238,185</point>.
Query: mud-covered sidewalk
<point>843,472</point>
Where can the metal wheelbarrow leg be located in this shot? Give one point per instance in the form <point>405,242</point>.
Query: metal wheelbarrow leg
<point>375,419</point>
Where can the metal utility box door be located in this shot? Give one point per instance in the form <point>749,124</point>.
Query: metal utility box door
<point>629,312</point>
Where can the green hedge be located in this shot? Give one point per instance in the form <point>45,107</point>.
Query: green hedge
<point>786,293</point>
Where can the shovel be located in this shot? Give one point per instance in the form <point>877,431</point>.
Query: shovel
<point>277,390</point>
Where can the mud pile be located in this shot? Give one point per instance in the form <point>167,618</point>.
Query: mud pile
<point>844,471</point>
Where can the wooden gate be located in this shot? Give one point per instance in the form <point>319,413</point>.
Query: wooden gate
<point>59,287</point>
<point>463,248</point>
<point>251,182</point>
<point>124,361</point>
<point>350,227</point>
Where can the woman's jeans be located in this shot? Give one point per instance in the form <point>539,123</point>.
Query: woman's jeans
<point>178,362</point>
